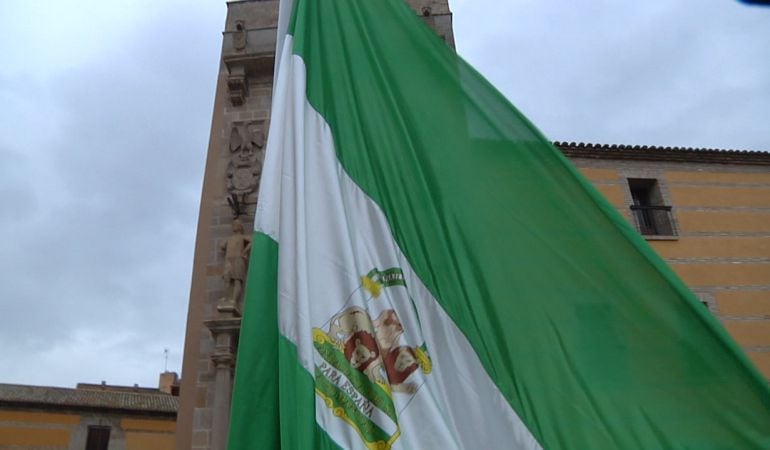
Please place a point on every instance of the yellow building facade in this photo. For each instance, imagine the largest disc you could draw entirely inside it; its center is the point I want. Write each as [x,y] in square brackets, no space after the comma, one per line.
[91,417]
[707,213]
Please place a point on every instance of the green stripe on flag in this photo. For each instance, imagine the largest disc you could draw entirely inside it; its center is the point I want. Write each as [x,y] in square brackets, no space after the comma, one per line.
[255,393]
[299,429]
[592,339]
[268,370]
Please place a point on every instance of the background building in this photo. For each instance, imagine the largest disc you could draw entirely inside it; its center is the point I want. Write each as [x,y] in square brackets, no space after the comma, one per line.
[90,417]
[706,212]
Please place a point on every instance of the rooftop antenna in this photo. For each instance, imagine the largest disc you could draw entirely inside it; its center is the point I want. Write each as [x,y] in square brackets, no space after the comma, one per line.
[165,357]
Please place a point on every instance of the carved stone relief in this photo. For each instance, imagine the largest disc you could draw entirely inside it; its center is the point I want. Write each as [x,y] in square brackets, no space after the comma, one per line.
[237,86]
[239,37]
[247,151]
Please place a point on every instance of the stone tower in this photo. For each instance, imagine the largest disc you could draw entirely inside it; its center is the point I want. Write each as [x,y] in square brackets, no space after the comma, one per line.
[230,191]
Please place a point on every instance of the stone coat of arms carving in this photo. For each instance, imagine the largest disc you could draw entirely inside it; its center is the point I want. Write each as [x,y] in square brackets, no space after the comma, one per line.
[247,150]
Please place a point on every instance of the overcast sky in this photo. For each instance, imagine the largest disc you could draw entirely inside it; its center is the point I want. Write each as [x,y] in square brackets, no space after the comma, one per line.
[105,108]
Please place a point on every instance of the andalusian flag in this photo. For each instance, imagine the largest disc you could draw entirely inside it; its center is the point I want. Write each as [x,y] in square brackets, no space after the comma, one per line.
[429,272]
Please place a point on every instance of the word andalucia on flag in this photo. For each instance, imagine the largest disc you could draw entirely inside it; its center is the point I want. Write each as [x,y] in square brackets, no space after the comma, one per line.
[429,272]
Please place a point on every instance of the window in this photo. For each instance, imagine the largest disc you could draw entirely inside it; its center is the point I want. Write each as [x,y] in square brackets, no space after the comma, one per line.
[98,438]
[652,216]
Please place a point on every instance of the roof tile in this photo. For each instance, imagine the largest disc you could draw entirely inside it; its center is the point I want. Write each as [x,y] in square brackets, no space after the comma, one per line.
[85,398]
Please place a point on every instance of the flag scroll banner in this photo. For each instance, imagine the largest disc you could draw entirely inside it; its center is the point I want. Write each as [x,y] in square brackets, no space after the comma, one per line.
[429,272]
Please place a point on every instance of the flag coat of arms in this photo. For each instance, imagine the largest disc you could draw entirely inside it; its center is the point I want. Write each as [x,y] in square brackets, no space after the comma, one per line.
[429,272]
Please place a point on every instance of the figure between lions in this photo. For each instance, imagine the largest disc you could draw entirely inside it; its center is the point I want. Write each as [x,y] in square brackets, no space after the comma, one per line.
[372,347]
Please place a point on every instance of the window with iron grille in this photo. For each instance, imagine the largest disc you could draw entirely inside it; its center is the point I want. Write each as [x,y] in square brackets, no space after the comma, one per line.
[98,438]
[652,216]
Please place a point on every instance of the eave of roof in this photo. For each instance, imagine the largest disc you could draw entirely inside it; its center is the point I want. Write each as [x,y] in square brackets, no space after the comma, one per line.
[670,154]
[65,398]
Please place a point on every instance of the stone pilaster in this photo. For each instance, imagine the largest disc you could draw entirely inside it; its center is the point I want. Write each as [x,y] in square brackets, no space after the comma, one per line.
[225,334]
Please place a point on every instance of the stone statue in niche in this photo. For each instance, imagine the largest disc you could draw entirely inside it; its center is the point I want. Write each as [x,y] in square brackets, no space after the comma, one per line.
[239,37]
[236,249]
[246,155]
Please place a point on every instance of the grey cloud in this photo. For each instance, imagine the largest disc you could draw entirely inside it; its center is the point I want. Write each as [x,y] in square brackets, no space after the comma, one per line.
[98,276]
[654,72]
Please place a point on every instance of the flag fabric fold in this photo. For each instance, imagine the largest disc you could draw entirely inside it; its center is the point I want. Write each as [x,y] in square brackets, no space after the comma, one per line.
[429,272]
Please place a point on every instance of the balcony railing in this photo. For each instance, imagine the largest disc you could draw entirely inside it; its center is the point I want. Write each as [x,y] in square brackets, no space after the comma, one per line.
[654,220]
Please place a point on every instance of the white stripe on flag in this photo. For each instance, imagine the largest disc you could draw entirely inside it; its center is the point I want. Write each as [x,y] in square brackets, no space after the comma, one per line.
[330,234]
